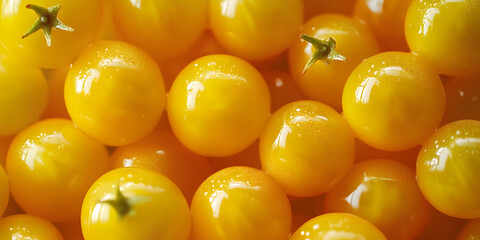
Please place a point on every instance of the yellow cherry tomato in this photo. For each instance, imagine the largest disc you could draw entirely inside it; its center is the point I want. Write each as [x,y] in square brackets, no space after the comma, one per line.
[337,226]
[24,94]
[163,153]
[255,30]
[385,193]
[471,231]
[79,26]
[51,165]
[133,203]
[56,101]
[240,203]
[463,98]
[24,226]
[4,190]
[282,88]
[446,33]
[447,169]
[393,101]
[386,18]
[218,105]
[115,93]
[296,148]
[314,8]
[163,28]
[323,82]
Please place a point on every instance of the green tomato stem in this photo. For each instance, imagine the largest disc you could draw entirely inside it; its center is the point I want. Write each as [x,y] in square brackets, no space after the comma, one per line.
[324,50]
[119,203]
[47,19]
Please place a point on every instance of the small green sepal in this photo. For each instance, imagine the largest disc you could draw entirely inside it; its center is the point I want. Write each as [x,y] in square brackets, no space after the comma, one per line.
[47,19]
[324,50]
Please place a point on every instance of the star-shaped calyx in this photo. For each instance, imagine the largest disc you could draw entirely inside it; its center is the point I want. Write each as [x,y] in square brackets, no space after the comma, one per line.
[47,19]
[324,50]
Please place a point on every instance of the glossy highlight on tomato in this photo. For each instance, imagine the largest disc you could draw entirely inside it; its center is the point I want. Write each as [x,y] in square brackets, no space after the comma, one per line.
[296,148]
[240,203]
[134,203]
[445,33]
[376,187]
[25,226]
[447,168]
[337,226]
[324,82]
[393,101]
[218,105]
[54,163]
[115,93]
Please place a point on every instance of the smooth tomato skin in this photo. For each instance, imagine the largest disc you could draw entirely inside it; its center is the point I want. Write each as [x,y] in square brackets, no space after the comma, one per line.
[115,93]
[255,30]
[386,19]
[4,190]
[322,82]
[314,8]
[163,28]
[447,168]
[375,187]
[24,94]
[393,101]
[56,100]
[218,105]
[15,19]
[240,203]
[337,226]
[58,160]
[158,209]
[450,46]
[463,98]
[296,148]
[25,226]
[283,89]
[161,152]
[471,231]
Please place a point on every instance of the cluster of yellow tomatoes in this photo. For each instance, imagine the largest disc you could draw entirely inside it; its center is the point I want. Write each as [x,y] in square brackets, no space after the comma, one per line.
[284,119]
